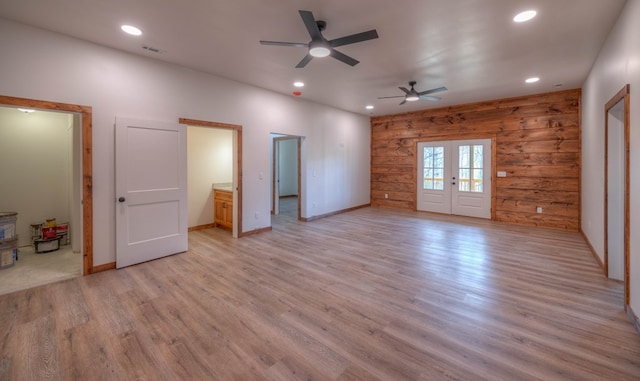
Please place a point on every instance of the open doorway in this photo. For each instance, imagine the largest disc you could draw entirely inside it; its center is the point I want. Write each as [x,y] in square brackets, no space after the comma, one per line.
[210,177]
[221,145]
[286,176]
[42,188]
[617,185]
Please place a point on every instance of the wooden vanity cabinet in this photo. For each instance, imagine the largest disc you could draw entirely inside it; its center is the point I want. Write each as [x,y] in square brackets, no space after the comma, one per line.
[223,208]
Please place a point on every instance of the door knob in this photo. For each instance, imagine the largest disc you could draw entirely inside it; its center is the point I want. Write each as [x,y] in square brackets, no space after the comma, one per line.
[121,199]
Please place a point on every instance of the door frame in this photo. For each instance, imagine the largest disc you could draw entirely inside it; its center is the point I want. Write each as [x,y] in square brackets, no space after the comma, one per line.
[237,231]
[494,181]
[623,94]
[275,171]
[87,170]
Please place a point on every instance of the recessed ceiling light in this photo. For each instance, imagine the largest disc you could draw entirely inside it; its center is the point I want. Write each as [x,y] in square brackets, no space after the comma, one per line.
[298,84]
[369,107]
[132,30]
[26,110]
[525,16]
[532,80]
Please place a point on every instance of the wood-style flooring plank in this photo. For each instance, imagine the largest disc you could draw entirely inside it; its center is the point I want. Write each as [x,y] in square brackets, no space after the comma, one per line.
[372,294]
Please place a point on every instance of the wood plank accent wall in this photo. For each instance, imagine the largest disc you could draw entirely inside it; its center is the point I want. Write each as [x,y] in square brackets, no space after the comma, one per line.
[537,140]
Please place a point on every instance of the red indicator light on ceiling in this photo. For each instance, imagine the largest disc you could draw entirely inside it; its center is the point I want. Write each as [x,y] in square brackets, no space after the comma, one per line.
[297,93]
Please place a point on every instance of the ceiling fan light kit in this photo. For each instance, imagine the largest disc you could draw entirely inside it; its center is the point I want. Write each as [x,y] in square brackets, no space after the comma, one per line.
[319,46]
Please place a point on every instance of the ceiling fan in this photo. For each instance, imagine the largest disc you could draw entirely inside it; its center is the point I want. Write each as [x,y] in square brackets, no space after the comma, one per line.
[413,95]
[320,46]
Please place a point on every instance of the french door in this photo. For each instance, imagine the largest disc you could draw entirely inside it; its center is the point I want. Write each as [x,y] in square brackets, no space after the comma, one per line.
[454,177]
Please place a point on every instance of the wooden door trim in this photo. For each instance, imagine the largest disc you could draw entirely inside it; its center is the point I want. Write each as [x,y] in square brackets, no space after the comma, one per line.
[87,168]
[623,94]
[227,126]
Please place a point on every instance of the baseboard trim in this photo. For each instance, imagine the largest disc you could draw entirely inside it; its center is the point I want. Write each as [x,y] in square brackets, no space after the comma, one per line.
[201,227]
[593,252]
[313,218]
[634,318]
[105,267]
[252,232]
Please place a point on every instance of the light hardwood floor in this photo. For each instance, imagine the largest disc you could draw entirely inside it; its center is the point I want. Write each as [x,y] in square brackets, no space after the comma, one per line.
[371,294]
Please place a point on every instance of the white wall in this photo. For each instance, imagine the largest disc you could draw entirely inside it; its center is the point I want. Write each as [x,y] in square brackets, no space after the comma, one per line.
[288,168]
[618,64]
[114,83]
[210,158]
[35,174]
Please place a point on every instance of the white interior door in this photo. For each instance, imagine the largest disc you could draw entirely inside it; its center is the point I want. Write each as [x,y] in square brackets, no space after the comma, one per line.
[455,177]
[151,190]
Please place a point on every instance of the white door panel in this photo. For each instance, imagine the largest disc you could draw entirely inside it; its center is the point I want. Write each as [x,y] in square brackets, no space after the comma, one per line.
[151,190]
[454,177]
[471,165]
[434,192]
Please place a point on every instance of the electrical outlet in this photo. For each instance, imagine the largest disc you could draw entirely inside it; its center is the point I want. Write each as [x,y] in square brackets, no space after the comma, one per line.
[538,209]
[386,195]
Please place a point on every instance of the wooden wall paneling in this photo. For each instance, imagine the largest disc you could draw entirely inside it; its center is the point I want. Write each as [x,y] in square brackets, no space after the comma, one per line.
[536,141]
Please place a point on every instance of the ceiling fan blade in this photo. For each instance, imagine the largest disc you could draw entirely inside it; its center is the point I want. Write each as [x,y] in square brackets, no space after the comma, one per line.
[396,96]
[403,102]
[404,89]
[280,43]
[352,39]
[312,26]
[429,98]
[432,91]
[344,58]
[304,61]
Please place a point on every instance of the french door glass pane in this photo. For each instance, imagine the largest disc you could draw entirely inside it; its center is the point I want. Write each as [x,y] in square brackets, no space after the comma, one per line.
[433,165]
[470,173]
[477,157]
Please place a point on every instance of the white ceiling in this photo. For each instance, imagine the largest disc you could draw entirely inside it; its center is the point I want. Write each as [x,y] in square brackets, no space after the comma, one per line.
[470,46]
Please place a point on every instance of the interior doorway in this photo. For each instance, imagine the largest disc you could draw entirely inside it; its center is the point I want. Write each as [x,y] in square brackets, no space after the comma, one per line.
[84,174]
[286,175]
[454,177]
[235,187]
[617,185]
